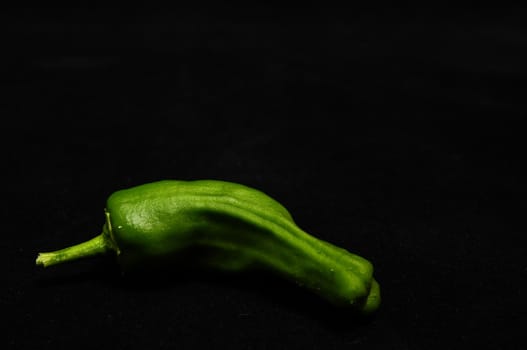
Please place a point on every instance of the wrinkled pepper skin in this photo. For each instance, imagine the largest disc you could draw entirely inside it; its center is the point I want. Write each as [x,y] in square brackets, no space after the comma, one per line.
[235,228]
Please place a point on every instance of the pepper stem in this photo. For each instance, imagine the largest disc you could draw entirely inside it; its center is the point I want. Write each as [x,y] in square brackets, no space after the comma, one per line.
[95,246]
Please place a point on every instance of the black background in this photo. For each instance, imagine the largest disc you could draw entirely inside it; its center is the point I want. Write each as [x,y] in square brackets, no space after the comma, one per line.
[392,133]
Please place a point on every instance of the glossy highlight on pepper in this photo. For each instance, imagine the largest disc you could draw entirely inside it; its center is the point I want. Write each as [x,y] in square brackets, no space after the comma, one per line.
[234,228]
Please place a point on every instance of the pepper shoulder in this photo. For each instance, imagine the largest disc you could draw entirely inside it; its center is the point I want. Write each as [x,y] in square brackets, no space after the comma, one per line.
[227,191]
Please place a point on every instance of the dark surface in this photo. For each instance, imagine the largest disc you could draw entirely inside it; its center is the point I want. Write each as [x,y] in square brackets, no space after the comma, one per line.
[395,135]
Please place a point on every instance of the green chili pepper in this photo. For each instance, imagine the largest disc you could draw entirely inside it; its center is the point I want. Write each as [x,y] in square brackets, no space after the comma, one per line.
[235,227]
